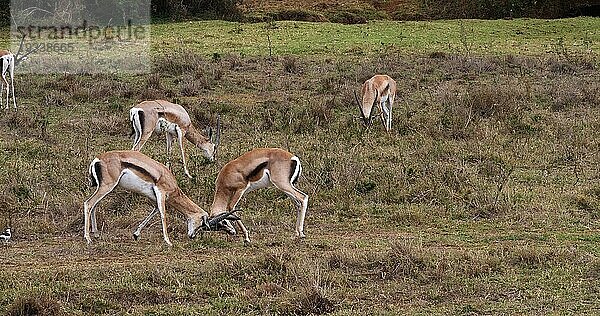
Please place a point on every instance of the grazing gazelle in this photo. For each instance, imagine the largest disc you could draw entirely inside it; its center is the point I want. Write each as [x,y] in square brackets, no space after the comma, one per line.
[174,121]
[253,170]
[380,90]
[139,173]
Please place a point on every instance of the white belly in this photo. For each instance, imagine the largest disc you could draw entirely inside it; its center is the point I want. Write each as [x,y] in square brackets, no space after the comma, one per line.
[263,182]
[131,182]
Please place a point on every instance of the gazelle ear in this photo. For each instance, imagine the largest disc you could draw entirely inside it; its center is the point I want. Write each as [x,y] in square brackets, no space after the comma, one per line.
[218,135]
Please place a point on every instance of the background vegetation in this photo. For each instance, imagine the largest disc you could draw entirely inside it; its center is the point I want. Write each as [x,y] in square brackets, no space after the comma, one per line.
[353,11]
[484,199]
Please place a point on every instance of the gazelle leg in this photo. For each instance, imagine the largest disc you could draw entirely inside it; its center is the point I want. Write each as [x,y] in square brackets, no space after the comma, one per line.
[169,148]
[94,224]
[143,139]
[12,84]
[392,98]
[300,199]
[7,90]
[388,111]
[182,150]
[384,114]
[88,210]
[4,82]
[160,201]
[232,205]
[243,229]
[137,134]
[138,231]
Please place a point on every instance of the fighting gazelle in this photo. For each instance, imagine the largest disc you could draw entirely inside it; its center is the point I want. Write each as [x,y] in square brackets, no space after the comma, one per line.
[139,173]
[174,121]
[253,170]
[9,61]
[379,90]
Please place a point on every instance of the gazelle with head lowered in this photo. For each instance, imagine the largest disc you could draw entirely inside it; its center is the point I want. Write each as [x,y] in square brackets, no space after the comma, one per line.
[253,170]
[378,91]
[174,121]
[139,173]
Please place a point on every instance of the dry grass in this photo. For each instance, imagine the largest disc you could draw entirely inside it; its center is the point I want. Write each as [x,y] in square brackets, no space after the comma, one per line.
[482,200]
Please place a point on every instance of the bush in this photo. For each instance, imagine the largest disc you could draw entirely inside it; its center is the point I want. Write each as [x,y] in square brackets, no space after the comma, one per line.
[34,306]
[207,9]
[346,17]
[298,15]
[494,9]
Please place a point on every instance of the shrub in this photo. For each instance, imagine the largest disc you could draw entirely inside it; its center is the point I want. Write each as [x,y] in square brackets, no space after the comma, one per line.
[210,9]
[290,64]
[346,17]
[39,306]
[298,15]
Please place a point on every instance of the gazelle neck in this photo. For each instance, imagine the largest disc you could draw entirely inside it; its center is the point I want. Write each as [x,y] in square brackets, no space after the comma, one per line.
[219,204]
[195,137]
[185,205]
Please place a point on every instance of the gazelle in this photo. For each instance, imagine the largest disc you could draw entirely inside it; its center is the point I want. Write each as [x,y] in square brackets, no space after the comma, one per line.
[380,90]
[9,61]
[8,65]
[174,121]
[253,170]
[139,173]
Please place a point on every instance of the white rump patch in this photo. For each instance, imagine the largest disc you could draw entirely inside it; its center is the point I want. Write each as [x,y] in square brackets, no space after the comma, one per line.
[298,170]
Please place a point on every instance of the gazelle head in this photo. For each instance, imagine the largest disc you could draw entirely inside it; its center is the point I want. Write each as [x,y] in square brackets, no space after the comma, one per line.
[211,146]
[366,117]
[197,224]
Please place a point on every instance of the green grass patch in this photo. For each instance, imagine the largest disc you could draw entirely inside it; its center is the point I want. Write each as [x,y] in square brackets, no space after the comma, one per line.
[498,37]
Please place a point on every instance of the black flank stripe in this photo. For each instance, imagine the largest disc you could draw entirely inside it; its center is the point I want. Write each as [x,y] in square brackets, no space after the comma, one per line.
[137,168]
[141,115]
[98,169]
[294,163]
[257,170]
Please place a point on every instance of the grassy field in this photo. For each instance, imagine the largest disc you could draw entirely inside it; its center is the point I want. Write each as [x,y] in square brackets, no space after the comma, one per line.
[484,199]
[495,37]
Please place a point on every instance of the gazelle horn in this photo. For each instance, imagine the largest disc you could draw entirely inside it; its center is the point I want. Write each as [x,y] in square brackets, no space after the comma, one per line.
[362,115]
[217,140]
[212,222]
